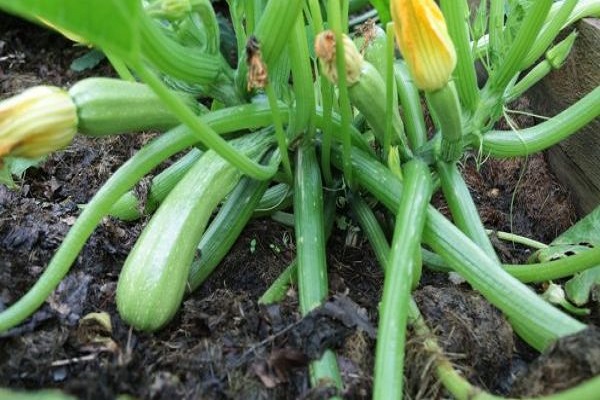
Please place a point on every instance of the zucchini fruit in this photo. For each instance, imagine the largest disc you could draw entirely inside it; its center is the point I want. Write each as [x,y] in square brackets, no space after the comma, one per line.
[153,279]
[107,106]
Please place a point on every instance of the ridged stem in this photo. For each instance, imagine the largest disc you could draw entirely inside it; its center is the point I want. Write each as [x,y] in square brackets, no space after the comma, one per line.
[411,106]
[456,13]
[310,250]
[463,209]
[410,219]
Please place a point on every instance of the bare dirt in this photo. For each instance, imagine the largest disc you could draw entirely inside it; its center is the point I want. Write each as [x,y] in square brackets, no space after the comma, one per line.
[222,344]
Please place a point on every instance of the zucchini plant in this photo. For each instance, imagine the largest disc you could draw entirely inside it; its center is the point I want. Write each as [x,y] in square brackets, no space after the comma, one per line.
[304,108]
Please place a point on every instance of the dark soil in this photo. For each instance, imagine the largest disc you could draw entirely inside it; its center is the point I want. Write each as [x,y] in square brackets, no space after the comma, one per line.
[222,344]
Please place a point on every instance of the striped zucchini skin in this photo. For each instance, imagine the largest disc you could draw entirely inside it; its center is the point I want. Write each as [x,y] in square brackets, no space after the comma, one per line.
[107,106]
[153,279]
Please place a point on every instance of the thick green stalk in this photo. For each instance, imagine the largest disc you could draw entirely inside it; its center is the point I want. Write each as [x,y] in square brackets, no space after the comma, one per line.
[304,92]
[410,219]
[456,13]
[310,251]
[125,178]
[276,292]
[411,106]
[540,137]
[369,224]
[335,22]
[203,132]
[510,64]
[447,113]
[463,209]
[516,300]
[279,133]
[391,97]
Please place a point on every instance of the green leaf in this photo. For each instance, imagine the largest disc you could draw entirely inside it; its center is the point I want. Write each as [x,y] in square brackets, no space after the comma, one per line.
[87,61]
[580,237]
[108,24]
[579,287]
[12,166]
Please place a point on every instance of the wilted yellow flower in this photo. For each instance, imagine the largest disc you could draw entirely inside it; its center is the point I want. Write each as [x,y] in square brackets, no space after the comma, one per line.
[325,50]
[423,39]
[36,122]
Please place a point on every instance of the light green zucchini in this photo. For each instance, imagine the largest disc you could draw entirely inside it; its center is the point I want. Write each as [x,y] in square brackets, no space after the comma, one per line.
[107,106]
[152,282]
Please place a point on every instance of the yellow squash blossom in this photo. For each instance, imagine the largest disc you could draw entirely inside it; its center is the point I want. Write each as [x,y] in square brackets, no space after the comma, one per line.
[423,39]
[36,122]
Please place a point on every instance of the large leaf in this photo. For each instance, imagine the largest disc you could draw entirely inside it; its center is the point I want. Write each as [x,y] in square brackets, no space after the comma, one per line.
[580,237]
[109,24]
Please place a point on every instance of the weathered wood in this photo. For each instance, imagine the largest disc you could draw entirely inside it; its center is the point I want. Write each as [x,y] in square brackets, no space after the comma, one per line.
[575,161]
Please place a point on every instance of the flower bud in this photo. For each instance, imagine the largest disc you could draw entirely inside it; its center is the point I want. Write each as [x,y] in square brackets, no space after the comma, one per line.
[325,49]
[423,39]
[36,122]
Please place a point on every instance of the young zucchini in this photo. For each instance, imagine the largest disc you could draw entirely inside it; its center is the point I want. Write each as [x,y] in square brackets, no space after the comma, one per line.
[107,106]
[152,282]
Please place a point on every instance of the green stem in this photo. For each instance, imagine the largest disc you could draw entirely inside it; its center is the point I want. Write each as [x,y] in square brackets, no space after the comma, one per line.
[276,292]
[463,209]
[289,276]
[410,219]
[540,137]
[335,21]
[202,131]
[411,106]
[310,249]
[445,107]
[457,18]
[279,133]
[304,92]
[120,67]
[369,224]
[560,268]
[511,237]
[390,95]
